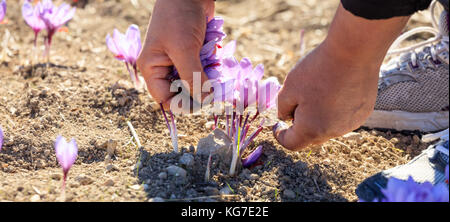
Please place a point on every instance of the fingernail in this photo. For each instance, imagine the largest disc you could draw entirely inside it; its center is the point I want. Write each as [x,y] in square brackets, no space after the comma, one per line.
[279,126]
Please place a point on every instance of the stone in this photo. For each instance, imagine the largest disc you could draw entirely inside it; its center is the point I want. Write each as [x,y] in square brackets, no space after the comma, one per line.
[187,159]
[289,194]
[156,199]
[253,176]
[176,171]
[162,175]
[353,136]
[84,180]
[111,146]
[213,142]
[109,183]
[55,176]
[225,191]
[211,191]
[111,167]
[35,198]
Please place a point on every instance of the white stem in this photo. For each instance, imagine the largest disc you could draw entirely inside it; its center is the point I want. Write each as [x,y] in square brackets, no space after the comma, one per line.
[133,132]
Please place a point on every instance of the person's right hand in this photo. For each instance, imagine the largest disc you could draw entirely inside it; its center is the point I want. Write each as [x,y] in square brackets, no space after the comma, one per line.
[175,36]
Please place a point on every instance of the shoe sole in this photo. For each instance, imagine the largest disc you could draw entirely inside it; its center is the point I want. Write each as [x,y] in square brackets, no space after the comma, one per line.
[400,120]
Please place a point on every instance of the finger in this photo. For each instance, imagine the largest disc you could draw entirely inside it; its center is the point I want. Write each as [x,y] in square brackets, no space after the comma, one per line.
[191,71]
[293,137]
[286,104]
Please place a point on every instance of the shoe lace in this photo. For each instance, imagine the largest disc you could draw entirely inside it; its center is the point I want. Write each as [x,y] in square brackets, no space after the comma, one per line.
[439,41]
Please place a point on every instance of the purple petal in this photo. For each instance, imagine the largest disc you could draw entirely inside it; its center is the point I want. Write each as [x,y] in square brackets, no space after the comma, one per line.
[133,38]
[253,157]
[2,12]
[228,50]
[66,153]
[1,138]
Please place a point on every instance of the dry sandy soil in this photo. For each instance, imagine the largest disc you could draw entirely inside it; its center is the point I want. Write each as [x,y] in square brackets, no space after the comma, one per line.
[85,94]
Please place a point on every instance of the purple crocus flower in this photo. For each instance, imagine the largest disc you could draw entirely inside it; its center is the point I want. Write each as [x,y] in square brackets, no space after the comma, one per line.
[1,138]
[209,57]
[54,17]
[253,157]
[31,16]
[66,154]
[126,48]
[2,10]
[410,191]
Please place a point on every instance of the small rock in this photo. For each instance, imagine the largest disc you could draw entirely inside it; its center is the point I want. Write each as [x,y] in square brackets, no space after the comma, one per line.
[176,171]
[187,159]
[191,149]
[35,198]
[55,176]
[173,196]
[326,162]
[47,153]
[214,141]
[226,191]
[111,167]
[253,176]
[211,191]
[162,175]
[109,183]
[156,199]
[289,194]
[136,187]
[353,136]
[84,180]
[146,187]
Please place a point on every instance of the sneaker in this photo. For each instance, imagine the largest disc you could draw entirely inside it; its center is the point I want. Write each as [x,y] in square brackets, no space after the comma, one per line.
[429,166]
[413,91]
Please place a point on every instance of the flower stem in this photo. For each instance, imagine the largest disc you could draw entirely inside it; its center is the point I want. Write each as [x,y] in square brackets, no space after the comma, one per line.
[173,133]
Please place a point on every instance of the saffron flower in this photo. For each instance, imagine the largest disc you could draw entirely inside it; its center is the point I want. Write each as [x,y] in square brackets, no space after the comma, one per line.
[2,10]
[209,57]
[1,138]
[253,157]
[32,18]
[54,17]
[66,154]
[410,191]
[126,48]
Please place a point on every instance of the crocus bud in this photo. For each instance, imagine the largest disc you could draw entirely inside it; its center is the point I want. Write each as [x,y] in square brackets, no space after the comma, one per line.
[66,153]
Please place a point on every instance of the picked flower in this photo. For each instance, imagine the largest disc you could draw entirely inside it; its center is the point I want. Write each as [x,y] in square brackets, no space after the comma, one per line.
[411,191]
[1,138]
[66,154]
[126,48]
[54,17]
[2,10]
[32,18]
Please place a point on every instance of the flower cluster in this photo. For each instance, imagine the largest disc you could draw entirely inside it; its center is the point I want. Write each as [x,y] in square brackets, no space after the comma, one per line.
[126,48]
[46,15]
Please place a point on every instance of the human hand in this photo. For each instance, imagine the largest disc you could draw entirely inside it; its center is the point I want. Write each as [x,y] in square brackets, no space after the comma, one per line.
[175,35]
[333,89]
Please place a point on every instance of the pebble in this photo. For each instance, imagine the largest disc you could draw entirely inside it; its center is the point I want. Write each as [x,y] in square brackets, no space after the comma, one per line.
[146,187]
[47,153]
[162,175]
[111,167]
[289,194]
[326,162]
[253,176]
[353,136]
[136,187]
[226,191]
[55,176]
[109,183]
[35,198]
[156,199]
[212,191]
[176,171]
[187,159]
[84,180]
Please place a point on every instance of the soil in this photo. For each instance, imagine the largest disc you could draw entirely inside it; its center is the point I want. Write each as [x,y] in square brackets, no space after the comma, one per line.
[85,94]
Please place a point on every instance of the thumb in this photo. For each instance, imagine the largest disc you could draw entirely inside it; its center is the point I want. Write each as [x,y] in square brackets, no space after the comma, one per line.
[293,137]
